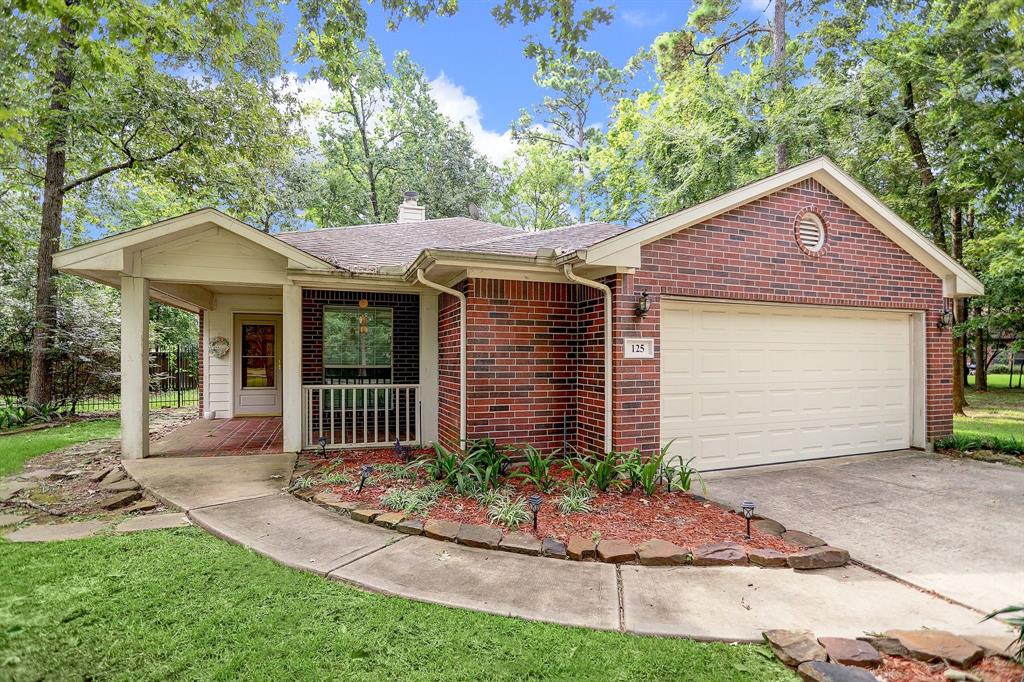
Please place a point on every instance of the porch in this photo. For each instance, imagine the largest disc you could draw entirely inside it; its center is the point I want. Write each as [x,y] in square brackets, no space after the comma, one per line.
[222,437]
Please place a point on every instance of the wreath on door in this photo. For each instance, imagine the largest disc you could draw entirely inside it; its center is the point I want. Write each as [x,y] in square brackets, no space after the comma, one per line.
[219,346]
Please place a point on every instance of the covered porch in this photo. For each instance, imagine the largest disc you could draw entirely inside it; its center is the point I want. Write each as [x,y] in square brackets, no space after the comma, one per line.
[222,437]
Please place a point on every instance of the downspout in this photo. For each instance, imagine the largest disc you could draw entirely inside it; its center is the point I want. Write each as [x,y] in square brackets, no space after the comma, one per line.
[462,346]
[607,348]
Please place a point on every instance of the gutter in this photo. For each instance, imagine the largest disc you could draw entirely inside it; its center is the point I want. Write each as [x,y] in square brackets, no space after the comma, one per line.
[462,346]
[572,276]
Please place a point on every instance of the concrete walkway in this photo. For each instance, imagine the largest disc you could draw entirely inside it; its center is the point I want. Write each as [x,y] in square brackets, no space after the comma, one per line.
[241,499]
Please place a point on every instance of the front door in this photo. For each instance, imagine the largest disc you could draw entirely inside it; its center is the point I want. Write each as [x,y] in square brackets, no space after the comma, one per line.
[257,364]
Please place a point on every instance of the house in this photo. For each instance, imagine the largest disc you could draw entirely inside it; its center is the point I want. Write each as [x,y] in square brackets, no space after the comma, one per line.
[793,318]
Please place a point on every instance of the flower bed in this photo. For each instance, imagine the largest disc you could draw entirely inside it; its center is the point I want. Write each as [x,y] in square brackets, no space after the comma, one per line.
[621,513]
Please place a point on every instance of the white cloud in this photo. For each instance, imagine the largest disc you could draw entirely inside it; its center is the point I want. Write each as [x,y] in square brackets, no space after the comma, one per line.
[453,102]
[314,95]
[641,18]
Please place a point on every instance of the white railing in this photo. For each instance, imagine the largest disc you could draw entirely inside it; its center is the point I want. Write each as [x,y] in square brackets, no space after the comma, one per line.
[360,415]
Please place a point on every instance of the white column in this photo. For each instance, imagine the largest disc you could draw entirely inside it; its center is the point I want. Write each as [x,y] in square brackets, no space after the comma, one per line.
[428,367]
[291,374]
[134,367]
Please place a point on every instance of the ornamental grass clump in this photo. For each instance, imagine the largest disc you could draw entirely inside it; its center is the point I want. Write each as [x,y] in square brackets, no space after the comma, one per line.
[510,513]
[575,500]
[412,500]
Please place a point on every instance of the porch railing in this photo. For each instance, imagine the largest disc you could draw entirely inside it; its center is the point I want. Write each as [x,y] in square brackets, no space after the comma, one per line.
[360,415]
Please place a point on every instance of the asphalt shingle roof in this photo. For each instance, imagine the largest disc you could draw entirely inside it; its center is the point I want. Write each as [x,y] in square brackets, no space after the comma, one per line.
[368,248]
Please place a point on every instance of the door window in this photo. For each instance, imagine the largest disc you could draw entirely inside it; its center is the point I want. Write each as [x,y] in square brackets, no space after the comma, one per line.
[258,351]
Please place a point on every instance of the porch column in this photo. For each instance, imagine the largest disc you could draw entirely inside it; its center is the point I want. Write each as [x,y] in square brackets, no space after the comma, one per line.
[291,366]
[428,367]
[134,367]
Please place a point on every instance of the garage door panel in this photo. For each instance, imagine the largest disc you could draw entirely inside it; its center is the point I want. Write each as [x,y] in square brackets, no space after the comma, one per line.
[753,384]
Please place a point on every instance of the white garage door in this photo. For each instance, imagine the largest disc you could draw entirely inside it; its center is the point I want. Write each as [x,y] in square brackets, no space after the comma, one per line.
[759,384]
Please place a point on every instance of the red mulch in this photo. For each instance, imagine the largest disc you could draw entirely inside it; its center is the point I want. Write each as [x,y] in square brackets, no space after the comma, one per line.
[676,517]
[992,669]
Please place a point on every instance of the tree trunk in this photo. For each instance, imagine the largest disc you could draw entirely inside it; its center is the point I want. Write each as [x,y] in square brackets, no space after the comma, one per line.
[779,65]
[40,387]
[959,309]
[980,362]
[924,169]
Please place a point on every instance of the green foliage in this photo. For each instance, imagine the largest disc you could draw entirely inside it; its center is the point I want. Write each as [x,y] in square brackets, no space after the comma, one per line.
[304,482]
[17,448]
[539,469]
[575,500]
[416,501]
[336,478]
[598,471]
[960,443]
[1016,620]
[534,188]
[443,465]
[998,369]
[17,412]
[683,474]
[509,512]
[644,471]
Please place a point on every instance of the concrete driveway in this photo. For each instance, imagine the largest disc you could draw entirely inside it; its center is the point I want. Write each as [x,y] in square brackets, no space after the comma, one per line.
[948,525]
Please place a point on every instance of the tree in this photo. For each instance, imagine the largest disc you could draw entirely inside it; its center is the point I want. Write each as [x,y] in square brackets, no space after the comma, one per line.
[386,136]
[563,119]
[104,87]
[535,188]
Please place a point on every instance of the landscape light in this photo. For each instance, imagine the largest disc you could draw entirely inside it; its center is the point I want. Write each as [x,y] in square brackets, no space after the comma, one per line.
[323,445]
[748,513]
[365,473]
[535,501]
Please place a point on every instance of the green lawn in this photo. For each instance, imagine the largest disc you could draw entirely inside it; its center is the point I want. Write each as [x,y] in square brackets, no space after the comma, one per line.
[183,605]
[995,413]
[17,448]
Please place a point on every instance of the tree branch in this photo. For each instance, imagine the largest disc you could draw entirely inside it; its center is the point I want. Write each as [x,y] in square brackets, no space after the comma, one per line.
[127,163]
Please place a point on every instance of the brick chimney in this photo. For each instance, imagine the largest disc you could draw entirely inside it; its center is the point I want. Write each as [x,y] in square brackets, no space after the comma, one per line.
[410,211]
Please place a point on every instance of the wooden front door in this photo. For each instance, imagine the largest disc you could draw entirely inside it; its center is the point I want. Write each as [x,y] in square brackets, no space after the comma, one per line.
[257,364]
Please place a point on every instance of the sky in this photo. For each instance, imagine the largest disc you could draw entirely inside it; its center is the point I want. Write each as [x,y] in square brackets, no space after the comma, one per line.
[477,70]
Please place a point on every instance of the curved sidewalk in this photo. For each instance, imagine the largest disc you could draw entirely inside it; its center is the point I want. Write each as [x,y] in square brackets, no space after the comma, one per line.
[242,500]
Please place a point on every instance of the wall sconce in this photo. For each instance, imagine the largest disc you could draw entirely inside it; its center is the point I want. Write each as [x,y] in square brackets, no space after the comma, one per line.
[946,318]
[643,305]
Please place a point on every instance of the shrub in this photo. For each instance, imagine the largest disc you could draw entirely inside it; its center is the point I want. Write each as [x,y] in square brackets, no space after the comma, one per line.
[509,512]
[998,368]
[576,499]
[538,469]
[1010,446]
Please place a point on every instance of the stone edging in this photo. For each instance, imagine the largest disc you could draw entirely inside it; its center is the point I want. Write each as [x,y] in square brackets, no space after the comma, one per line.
[815,554]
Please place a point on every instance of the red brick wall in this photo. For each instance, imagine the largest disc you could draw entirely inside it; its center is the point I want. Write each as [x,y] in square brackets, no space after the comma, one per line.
[448,368]
[750,253]
[589,370]
[405,368]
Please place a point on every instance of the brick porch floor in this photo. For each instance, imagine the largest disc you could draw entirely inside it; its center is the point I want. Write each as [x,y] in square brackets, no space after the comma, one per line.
[219,437]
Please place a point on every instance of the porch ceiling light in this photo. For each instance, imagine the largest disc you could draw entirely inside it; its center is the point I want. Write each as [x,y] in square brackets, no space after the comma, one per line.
[535,501]
[643,305]
[365,473]
[748,513]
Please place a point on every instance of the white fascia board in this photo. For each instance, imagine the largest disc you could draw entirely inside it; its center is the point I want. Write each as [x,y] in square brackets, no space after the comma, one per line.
[144,237]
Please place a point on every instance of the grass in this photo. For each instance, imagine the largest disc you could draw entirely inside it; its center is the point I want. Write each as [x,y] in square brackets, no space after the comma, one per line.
[182,605]
[996,414]
[17,448]
[157,401]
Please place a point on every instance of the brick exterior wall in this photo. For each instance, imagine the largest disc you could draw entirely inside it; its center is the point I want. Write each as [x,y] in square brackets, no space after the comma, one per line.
[535,352]
[405,368]
[751,254]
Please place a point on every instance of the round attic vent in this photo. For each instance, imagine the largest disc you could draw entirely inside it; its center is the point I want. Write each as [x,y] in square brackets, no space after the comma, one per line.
[810,232]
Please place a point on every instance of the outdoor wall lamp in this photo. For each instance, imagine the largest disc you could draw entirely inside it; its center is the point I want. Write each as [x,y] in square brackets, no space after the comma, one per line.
[643,305]
[748,513]
[323,445]
[365,473]
[535,507]
[946,318]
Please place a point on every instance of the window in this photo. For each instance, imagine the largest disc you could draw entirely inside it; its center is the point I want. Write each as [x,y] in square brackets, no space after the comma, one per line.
[258,356]
[357,345]
[811,233]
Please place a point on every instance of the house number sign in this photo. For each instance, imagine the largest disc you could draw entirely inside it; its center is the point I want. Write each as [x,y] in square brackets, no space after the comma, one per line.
[639,348]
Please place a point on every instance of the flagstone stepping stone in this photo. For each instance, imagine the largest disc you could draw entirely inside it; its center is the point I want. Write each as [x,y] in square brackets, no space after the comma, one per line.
[850,652]
[794,647]
[410,527]
[11,519]
[485,537]
[931,645]
[581,548]
[819,557]
[152,522]
[520,543]
[389,519]
[554,548]
[365,515]
[141,506]
[796,537]
[890,646]
[819,671]
[39,475]
[328,498]
[120,486]
[57,531]
[720,554]
[441,530]
[768,527]
[100,474]
[116,474]
[767,558]
[661,553]
[993,645]
[10,489]
[120,500]
[615,551]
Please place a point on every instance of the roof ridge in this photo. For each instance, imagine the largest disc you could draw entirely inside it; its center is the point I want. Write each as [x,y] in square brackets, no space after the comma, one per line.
[316,230]
[524,233]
